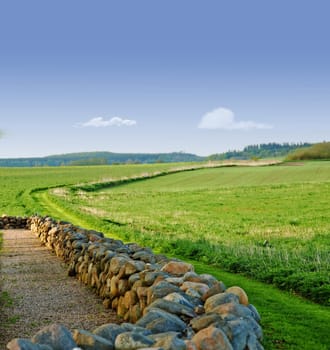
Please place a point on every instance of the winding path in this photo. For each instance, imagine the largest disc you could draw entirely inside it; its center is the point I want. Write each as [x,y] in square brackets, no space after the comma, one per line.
[37,291]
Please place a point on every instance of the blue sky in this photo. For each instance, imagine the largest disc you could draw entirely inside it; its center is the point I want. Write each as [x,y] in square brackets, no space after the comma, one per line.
[160,76]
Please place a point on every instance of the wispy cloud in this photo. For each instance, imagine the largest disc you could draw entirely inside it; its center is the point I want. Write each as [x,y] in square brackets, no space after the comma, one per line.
[224,118]
[100,122]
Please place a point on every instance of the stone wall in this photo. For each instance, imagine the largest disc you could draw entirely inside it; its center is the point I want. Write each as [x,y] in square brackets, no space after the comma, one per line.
[12,222]
[164,304]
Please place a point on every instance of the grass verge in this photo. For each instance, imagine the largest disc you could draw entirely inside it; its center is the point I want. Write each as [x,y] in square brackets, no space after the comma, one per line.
[289,322]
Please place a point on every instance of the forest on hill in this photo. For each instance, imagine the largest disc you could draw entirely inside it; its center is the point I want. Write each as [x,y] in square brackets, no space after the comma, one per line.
[269,150]
[100,158]
[264,150]
[316,151]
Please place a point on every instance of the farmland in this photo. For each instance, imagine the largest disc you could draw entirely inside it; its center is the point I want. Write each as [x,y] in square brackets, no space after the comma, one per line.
[18,183]
[268,223]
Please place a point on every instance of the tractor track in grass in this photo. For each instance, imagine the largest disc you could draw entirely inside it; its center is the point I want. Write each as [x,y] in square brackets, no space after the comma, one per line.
[289,322]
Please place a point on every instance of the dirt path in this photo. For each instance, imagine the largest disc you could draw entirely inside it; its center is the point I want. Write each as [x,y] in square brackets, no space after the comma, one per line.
[37,291]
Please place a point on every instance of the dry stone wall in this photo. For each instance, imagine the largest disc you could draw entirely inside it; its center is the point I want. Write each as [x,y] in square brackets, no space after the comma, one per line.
[164,304]
[14,222]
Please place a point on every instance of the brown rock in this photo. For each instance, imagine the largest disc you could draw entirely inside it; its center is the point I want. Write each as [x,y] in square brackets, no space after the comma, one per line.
[243,298]
[132,340]
[160,290]
[200,288]
[135,313]
[133,266]
[177,268]
[121,308]
[168,341]
[211,338]
[204,321]
[107,303]
[25,344]
[219,299]
[116,264]
[90,341]
[217,288]
[130,299]
[190,345]
[122,286]
[114,287]
[232,310]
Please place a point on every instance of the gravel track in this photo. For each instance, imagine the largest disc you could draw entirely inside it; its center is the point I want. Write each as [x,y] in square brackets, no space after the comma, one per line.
[37,291]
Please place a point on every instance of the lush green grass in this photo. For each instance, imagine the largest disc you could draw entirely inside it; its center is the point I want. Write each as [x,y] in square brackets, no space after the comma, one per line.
[239,218]
[288,322]
[270,223]
[18,183]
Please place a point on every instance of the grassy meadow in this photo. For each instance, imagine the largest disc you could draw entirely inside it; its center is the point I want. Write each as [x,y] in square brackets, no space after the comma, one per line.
[268,223]
[19,184]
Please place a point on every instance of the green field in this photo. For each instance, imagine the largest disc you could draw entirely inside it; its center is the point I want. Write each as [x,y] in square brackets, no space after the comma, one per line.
[17,184]
[268,223]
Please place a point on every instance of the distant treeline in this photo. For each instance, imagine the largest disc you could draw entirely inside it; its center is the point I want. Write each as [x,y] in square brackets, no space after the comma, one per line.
[267,150]
[100,158]
[316,151]
[264,150]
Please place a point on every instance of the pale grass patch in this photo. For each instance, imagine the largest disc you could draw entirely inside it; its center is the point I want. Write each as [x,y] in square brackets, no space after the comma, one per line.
[94,211]
[82,194]
[179,213]
[60,192]
[283,232]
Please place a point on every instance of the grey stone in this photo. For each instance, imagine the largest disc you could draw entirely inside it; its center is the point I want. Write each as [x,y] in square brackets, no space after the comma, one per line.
[204,321]
[172,307]
[252,342]
[255,313]
[168,341]
[144,255]
[180,299]
[109,331]
[159,321]
[133,278]
[149,277]
[217,288]
[56,336]
[239,334]
[25,344]
[116,263]
[129,327]
[254,327]
[132,340]
[160,290]
[231,311]
[132,267]
[90,341]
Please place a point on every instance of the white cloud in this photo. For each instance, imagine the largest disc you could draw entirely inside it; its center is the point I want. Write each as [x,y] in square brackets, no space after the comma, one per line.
[99,122]
[224,118]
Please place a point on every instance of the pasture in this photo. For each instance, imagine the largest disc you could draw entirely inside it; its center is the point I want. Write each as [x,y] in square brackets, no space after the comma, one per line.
[268,223]
[17,184]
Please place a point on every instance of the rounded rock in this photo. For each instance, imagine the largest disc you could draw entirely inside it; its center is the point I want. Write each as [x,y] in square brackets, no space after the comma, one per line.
[243,298]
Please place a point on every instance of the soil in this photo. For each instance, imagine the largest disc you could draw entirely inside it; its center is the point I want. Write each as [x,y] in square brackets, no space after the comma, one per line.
[37,291]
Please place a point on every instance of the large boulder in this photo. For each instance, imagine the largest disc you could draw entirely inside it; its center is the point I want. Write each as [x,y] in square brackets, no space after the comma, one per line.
[56,336]
[211,338]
